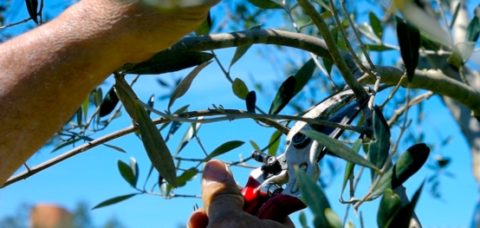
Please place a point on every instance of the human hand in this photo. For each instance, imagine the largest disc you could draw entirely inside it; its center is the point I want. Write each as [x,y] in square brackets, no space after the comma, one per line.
[223,203]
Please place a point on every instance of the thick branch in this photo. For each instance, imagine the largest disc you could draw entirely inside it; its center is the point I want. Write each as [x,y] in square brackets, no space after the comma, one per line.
[434,81]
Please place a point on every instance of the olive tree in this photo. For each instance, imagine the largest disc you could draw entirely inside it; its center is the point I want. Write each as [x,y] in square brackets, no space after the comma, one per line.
[394,56]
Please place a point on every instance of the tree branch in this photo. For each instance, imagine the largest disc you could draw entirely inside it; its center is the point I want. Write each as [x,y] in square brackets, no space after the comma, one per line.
[432,80]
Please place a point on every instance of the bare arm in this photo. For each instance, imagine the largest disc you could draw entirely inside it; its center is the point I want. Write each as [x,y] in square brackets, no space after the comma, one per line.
[46,73]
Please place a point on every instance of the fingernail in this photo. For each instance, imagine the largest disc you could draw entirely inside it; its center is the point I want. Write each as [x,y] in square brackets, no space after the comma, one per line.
[215,171]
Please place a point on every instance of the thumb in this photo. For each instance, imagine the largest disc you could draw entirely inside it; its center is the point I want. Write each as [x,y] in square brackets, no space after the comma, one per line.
[220,194]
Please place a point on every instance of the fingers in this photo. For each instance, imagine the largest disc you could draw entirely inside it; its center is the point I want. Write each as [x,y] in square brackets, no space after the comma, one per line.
[220,193]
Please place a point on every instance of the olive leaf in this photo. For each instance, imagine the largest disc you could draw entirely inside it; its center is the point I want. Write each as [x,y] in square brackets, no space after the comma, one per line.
[379,148]
[407,164]
[225,147]
[168,61]
[114,200]
[409,41]
[184,85]
[251,101]
[154,144]
[266,4]
[32,8]
[339,149]
[108,103]
[376,24]
[239,88]
[128,173]
[314,197]
[239,52]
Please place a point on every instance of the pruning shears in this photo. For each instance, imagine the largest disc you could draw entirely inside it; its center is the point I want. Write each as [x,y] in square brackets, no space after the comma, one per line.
[272,191]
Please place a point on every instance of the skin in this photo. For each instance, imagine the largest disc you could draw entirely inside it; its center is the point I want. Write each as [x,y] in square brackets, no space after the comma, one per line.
[46,74]
[223,203]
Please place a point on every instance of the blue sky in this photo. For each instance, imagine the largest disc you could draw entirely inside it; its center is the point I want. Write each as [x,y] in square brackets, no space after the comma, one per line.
[93,177]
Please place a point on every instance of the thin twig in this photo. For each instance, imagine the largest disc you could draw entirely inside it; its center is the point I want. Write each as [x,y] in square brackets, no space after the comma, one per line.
[335,54]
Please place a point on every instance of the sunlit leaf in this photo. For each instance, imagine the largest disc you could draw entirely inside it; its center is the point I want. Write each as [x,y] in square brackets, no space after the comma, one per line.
[338,148]
[114,200]
[239,52]
[251,101]
[109,102]
[409,41]
[333,219]
[225,147]
[184,85]
[169,61]
[376,24]
[154,144]
[266,4]
[284,94]
[239,88]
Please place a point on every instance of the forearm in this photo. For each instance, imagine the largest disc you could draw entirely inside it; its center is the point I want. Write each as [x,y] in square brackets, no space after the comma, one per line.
[44,76]
[46,73]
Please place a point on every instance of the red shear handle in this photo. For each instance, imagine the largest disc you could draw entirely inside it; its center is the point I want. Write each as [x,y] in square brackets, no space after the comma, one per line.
[260,204]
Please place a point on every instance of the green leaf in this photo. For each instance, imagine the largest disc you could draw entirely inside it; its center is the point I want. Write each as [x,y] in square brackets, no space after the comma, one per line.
[225,147]
[154,144]
[338,148]
[32,7]
[333,219]
[239,52]
[266,4]
[350,165]
[303,75]
[284,94]
[376,24]
[109,102]
[251,101]
[127,173]
[169,61]
[379,148]
[239,88]
[186,176]
[403,217]
[134,167]
[205,27]
[378,47]
[302,218]
[409,41]
[314,197]
[189,134]
[274,143]
[389,206]
[328,65]
[473,29]
[184,85]
[254,145]
[114,200]
[407,164]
